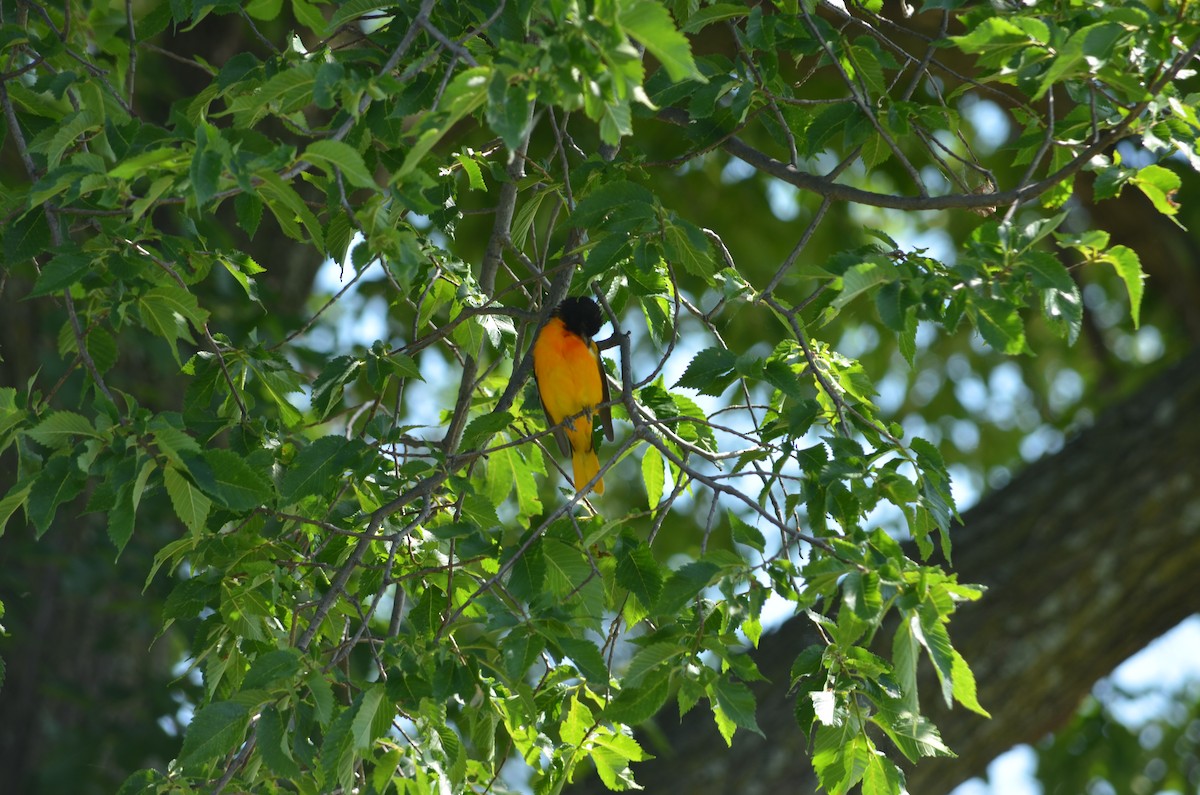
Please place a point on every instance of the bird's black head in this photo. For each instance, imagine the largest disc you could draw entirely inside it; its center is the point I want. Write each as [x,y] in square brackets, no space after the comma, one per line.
[580,315]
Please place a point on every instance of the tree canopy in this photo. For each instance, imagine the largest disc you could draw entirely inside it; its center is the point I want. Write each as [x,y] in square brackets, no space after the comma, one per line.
[272,271]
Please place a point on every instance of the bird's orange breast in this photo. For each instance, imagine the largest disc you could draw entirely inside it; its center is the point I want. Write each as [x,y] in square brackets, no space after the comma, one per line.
[568,371]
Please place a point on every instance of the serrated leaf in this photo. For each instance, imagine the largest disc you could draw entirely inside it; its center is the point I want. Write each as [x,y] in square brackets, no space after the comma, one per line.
[1163,200]
[288,90]
[648,658]
[650,24]
[483,427]
[215,730]
[318,467]
[736,703]
[13,500]
[507,472]
[882,777]
[330,154]
[861,278]
[708,367]
[242,267]
[653,476]
[26,237]
[121,517]
[587,658]
[168,310]
[274,745]
[964,685]
[1129,268]
[608,197]
[638,703]
[473,172]
[464,94]
[271,668]
[60,273]
[59,429]
[287,206]
[566,568]
[508,108]
[190,504]
[717,12]
[639,573]
[232,482]
[683,585]
[58,482]
[999,324]
[747,534]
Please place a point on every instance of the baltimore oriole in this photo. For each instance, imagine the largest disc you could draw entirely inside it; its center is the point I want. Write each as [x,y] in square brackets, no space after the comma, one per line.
[570,380]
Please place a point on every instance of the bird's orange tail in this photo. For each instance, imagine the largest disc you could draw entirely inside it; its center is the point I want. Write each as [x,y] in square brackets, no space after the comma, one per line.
[585,465]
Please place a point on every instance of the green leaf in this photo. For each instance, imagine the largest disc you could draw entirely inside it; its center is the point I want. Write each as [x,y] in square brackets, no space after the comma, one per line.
[508,471]
[999,324]
[649,658]
[840,757]
[991,33]
[1081,54]
[465,93]
[1129,268]
[331,154]
[59,429]
[683,585]
[26,237]
[609,197]
[71,128]
[587,658]
[287,206]
[861,278]
[274,744]
[913,734]
[566,567]
[964,685]
[747,534]
[930,632]
[167,312]
[638,572]
[215,730]
[272,668]
[190,504]
[288,90]
[1160,185]
[685,243]
[484,427]
[638,703]
[650,24]
[653,476]
[121,517]
[737,703]
[318,468]
[717,12]
[709,371]
[61,272]
[472,170]
[242,266]
[508,108]
[882,777]
[207,163]
[59,482]
[232,482]
[12,501]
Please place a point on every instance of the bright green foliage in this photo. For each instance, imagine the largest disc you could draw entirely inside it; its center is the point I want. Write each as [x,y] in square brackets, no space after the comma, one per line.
[380,605]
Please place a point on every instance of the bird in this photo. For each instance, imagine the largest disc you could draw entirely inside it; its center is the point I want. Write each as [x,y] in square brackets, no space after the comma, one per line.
[571,384]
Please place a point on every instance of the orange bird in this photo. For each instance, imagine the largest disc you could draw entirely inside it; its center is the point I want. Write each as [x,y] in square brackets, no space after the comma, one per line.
[571,383]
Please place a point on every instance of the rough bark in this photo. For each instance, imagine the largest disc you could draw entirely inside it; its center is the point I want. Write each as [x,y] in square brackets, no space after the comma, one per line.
[1088,555]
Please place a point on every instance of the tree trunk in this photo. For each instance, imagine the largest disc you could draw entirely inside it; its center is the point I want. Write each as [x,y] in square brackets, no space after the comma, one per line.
[1087,555]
